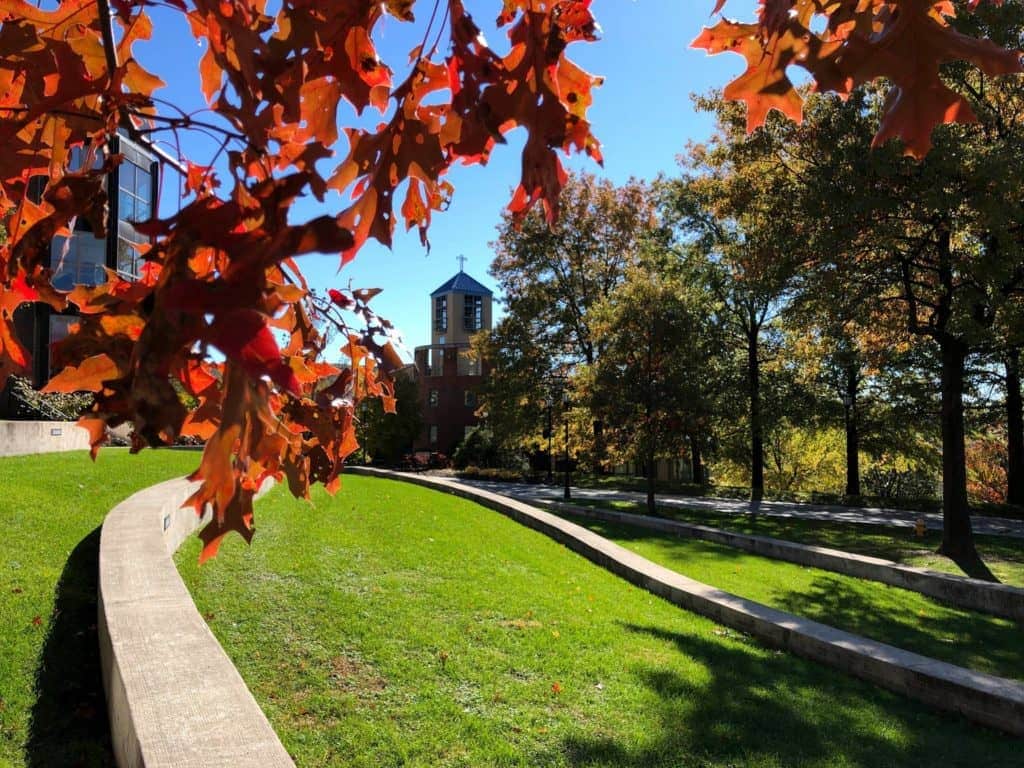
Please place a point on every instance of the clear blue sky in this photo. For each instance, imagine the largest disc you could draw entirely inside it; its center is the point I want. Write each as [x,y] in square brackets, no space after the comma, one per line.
[642,115]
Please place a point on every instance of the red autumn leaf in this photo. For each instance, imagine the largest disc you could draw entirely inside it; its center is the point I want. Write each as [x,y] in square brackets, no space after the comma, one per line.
[97,429]
[340,298]
[244,336]
[199,179]
[13,357]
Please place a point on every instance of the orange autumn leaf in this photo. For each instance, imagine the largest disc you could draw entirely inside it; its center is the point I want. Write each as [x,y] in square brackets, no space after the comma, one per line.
[89,376]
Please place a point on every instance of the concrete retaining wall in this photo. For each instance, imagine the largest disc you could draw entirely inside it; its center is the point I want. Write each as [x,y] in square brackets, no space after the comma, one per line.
[977,595]
[20,438]
[174,697]
[992,701]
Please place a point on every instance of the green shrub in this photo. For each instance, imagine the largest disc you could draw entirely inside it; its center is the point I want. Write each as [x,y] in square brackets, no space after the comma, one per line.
[478,449]
[491,473]
[25,402]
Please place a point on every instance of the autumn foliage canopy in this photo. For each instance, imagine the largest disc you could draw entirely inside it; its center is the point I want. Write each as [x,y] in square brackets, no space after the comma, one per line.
[222,317]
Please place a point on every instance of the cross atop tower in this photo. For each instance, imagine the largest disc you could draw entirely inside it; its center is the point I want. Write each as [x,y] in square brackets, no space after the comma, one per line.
[462,262]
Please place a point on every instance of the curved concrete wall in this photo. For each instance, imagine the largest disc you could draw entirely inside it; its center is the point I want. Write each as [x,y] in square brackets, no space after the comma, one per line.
[20,438]
[174,697]
[992,701]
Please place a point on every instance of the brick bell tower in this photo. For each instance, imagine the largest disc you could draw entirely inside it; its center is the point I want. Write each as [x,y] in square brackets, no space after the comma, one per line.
[448,378]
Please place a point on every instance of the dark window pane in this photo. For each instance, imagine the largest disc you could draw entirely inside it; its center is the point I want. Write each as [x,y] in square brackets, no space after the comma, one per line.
[78,262]
[60,328]
[92,257]
[128,263]
[36,187]
[143,184]
[61,262]
[126,206]
[76,159]
[126,177]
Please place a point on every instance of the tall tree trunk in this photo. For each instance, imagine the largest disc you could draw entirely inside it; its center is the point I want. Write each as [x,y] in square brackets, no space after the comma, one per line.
[652,474]
[957,537]
[696,460]
[756,427]
[598,464]
[651,442]
[1014,430]
[852,435]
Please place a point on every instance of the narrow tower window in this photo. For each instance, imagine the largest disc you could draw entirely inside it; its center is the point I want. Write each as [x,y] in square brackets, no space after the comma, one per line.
[441,314]
[473,313]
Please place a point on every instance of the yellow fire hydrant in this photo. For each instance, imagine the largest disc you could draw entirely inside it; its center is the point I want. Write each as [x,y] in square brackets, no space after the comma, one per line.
[919,527]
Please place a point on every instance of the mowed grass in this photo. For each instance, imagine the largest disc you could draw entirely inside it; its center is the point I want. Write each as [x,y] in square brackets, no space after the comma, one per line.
[52,710]
[1003,554]
[895,616]
[398,626]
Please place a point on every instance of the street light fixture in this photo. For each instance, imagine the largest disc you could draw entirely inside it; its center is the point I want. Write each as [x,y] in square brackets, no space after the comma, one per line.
[565,420]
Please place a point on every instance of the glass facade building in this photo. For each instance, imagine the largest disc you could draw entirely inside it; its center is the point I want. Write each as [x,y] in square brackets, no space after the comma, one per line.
[83,258]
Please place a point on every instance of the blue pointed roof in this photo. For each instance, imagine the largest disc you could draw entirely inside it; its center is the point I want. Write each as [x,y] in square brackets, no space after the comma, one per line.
[462,283]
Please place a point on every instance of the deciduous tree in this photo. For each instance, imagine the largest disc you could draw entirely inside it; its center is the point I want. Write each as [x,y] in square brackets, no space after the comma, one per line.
[735,201]
[935,238]
[552,277]
[387,437]
[646,385]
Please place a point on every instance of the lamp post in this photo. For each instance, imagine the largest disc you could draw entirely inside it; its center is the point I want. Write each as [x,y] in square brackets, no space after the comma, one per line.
[565,421]
[549,404]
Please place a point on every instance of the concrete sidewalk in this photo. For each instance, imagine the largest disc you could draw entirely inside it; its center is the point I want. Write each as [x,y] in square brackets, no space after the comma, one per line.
[892,518]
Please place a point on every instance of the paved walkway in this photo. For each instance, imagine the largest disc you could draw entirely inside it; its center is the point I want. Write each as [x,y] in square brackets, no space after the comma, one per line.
[893,518]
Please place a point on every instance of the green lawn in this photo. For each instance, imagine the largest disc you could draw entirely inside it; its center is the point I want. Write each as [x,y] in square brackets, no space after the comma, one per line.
[52,711]
[394,625]
[1004,555]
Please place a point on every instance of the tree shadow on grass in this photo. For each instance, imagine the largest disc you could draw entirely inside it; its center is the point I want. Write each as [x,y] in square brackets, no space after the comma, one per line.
[777,710]
[960,637]
[69,725]
[625,534]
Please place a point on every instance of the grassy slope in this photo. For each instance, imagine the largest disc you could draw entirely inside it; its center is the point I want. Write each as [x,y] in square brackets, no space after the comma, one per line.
[52,711]
[896,616]
[399,626]
[1004,555]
